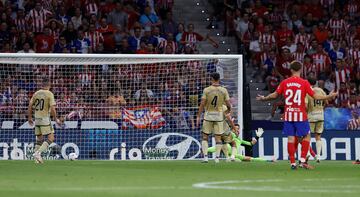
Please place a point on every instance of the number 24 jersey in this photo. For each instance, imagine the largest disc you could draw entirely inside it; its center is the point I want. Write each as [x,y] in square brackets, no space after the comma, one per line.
[294,91]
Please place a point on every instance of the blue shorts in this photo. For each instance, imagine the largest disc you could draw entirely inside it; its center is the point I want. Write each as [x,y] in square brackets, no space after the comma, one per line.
[296,128]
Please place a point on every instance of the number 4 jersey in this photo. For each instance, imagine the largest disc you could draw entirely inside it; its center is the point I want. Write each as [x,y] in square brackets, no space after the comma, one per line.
[42,100]
[215,99]
[315,108]
[294,91]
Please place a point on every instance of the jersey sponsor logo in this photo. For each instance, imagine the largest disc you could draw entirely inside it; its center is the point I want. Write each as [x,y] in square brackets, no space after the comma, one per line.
[160,146]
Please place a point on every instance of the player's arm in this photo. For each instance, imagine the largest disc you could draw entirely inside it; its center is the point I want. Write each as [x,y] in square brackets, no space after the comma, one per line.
[30,111]
[229,120]
[269,97]
[201,109]
[53,109]
[330,96]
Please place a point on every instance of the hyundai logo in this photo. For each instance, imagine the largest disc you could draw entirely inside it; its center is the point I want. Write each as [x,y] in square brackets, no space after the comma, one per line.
[163,146]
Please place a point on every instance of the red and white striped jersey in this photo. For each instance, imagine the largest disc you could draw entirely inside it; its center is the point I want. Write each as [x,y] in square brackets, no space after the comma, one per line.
[299,56]
[354,55]
[342,75]
[337,27]
[352,9]
[322,61]
[86,78]
[20,24]
[267,38]
[303,39]
[294,90]
[92,8]
[327,3]
[191,38]
[353,124]
[37,19]
[165,4]
[307,69]
[275,18]
[343,96]
[163,44]
[55,33]
[95,39]
[263,57]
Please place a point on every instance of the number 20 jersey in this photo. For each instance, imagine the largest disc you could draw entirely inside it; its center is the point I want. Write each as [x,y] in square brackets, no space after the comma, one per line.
[294,91]
[42,100]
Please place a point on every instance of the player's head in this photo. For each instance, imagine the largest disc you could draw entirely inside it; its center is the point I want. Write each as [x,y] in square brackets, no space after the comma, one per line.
[45,83]
[215,77]
[312,81]
[237,127]
[295,67]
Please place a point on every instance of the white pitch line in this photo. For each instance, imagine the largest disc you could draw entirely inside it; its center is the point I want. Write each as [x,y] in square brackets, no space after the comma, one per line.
[95,189]
[304,189]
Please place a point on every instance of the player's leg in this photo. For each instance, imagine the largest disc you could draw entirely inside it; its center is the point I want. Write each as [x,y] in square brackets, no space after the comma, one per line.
[39,138]
[226,139]
[303,130]
[233,150]
[207,127]
[47,131]
[318,132]
[289,131]
[218,131]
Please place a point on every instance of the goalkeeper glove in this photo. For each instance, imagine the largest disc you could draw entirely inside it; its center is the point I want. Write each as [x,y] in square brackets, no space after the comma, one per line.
[259,132]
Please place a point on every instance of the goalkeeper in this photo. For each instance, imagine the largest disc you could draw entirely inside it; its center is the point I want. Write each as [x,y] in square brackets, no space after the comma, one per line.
[232,142]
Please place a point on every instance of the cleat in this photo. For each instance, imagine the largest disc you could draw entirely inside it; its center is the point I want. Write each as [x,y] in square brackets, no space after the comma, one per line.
[307,158]
[232,158]
[37,157]
[205,160]
[293,167]
[317,160]
[216,160]
[306,166]
[357,161]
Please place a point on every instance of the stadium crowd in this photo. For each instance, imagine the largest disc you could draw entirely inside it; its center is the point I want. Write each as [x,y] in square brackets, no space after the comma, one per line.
[322,34]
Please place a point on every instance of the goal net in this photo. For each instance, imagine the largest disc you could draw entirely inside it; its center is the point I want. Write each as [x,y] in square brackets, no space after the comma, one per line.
[114,106]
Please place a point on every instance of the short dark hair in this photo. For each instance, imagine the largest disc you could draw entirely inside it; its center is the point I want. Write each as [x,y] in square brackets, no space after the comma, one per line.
[312,81]
[295,66]
[45,81]
[215,76]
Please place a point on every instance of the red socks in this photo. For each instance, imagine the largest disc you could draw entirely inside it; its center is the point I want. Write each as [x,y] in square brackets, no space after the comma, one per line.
[291,152]
[312,152]
[296,143]
[305,145]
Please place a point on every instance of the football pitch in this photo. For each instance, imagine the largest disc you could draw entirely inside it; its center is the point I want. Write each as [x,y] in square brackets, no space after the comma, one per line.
[176,179]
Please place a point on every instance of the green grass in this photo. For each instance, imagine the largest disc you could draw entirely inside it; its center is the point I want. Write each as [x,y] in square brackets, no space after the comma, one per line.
[175,179]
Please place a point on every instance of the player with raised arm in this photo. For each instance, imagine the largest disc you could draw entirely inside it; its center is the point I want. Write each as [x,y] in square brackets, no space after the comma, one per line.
[43,103]
[212,100]
[315,112]
[294,90]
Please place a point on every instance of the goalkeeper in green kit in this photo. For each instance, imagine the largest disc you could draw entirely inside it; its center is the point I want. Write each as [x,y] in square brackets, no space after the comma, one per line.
[232,142]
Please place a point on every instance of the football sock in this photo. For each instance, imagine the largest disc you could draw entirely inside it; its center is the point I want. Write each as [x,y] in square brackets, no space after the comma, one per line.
[318,147]
[44,146]
[218,147]
[305,145]
[37,145]
[258,159]
[312,152]
[233,151]
[291,152]
[225,150]
[204,146]
[296,143]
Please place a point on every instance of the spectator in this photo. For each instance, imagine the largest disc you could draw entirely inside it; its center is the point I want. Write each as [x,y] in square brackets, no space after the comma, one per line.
[192,38]
[82,44]
[77,19]
[118,16]
[37,18]
[321,34]
[125,48]
[63,17]
[149,19]
[134,41]
[283,34]
[20,21]
[168,46]
[94,36]
[91,8]
[169,25]
[107,32]
[143,93]
[44,42]
[26,48]
[336,52]
[70,32]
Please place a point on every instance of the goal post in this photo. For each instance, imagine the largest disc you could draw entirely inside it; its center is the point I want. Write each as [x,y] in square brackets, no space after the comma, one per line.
[114,106]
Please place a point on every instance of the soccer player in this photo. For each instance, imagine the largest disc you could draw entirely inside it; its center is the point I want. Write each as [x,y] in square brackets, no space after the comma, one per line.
[43,103]
[315,112]
[212,100]
[233,142]
[294,90]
